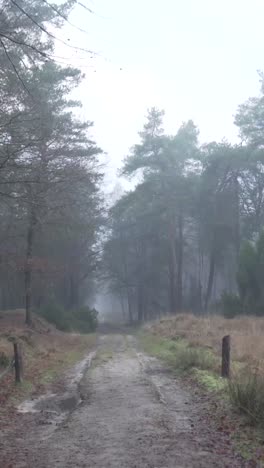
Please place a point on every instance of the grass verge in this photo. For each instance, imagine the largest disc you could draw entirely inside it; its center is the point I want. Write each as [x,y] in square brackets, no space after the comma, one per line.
[246,391]
[237,405]
[46,356]
[179,354]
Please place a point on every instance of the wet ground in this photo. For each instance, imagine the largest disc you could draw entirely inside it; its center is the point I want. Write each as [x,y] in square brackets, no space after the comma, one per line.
[132,413]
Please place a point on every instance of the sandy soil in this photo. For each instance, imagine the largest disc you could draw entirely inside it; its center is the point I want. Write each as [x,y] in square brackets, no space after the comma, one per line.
[133,414]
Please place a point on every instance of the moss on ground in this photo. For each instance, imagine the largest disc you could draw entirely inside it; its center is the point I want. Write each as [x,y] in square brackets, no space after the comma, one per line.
[210,381]
[178,354]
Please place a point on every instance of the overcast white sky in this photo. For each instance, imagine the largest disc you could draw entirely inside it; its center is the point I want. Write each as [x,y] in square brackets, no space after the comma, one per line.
[196,59]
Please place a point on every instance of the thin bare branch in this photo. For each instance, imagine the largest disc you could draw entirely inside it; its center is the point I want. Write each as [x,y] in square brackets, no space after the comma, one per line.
[14,67]
[48,32]
[64,17]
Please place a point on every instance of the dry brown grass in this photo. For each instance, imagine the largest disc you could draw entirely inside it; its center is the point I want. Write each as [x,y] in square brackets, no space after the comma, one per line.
[247,334]
[46,351]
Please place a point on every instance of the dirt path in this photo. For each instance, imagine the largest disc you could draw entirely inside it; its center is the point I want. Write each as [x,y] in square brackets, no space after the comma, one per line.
[132,415]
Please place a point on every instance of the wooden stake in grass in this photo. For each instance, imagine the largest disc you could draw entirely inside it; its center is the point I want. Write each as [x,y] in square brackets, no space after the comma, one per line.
[18,364]
[226,356]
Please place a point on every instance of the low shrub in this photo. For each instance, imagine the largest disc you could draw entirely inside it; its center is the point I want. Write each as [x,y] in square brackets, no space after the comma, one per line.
[56,314]
[188,357]
[246,391]
[178,354]
[85,319]
[4,360]
[82,319]
[230,305]
[211,381]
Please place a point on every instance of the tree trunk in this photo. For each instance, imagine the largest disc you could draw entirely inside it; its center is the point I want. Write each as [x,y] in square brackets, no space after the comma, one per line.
[180,263]
[28,266]
[74,292]
[172,289]
[140,304]
[237,216]
[172,270]
[210,280]
[129,304]
[123,309]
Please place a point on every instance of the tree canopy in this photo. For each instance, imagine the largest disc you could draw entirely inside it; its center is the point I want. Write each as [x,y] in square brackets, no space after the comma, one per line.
[188,235]
[177,241]
[51,206]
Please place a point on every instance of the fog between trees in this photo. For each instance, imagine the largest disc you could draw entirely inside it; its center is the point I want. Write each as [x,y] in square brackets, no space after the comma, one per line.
[187,237]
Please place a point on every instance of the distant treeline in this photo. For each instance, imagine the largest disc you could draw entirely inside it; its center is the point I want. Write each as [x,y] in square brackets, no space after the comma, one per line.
[50,202]
[189,234]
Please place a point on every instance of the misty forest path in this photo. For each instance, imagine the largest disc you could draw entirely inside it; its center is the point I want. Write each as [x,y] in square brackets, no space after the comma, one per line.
[133,414]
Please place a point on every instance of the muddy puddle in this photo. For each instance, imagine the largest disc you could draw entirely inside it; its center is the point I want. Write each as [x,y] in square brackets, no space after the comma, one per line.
[57,405]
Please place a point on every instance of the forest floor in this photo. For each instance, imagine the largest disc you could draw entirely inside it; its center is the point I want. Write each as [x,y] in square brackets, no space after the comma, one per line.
[133,412]
[191,347]
[47,353]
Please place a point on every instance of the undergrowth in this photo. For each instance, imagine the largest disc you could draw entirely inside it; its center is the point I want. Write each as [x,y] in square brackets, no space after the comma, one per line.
[211,381]
[83,319]
[4,360]
[246,391]
[179,354]
[181,347]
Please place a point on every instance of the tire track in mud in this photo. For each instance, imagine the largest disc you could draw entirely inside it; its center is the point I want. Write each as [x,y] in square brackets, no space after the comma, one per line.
[133,415]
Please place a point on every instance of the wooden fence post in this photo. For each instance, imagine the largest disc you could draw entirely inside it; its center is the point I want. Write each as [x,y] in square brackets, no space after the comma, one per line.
[226,356]
[18,364]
